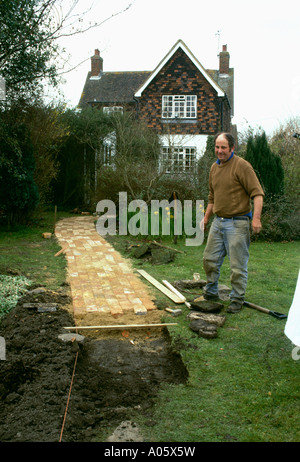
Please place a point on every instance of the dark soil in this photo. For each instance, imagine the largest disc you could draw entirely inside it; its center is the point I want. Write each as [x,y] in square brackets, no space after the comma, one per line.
[116,378]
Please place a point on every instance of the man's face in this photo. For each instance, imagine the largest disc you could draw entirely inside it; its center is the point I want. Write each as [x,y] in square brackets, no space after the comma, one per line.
[222,149]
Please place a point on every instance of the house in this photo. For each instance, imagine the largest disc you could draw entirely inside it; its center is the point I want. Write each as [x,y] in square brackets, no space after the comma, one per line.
[180,99]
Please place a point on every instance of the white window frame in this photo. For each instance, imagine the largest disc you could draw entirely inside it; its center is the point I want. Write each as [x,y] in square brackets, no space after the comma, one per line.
[179,159]
[109,149]
[179,107]
[112,109]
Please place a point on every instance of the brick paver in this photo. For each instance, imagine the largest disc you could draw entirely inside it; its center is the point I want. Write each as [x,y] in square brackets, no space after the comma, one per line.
[101,279]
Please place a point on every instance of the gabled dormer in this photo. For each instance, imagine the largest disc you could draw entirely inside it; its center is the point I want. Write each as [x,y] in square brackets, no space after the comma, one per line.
[179,45]
[180,96]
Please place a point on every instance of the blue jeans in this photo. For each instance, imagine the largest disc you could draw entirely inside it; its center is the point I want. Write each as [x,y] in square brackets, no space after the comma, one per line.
[230,237]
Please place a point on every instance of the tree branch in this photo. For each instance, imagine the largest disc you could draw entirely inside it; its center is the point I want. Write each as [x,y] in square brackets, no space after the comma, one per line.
[32,29]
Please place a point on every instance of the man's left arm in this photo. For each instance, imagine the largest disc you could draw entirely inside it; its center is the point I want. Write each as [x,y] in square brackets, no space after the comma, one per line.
[258,202]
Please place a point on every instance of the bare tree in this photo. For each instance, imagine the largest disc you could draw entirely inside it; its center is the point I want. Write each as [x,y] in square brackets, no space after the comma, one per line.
[30,31]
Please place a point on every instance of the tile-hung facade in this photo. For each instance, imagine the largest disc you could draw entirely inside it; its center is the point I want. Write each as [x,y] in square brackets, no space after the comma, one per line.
[181,100]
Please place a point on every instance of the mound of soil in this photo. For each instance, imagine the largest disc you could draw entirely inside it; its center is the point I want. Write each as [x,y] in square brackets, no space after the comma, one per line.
[116,377]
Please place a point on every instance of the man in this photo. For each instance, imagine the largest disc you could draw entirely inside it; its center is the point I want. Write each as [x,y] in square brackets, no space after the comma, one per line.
[232,185]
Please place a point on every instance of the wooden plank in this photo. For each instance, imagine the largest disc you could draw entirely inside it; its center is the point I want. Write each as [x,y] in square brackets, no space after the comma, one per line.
[60,251]
[161,287]
[174,290]
[179,294]
[124,326]
[41,307]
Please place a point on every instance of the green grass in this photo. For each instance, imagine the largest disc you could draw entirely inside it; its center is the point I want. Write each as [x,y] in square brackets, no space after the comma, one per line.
[244,385]
[25,252]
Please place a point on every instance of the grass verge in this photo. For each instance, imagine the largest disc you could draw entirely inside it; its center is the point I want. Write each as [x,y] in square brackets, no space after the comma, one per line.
[24,252]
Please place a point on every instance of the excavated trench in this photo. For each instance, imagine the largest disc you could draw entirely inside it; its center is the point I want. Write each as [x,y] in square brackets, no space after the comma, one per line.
[116,378]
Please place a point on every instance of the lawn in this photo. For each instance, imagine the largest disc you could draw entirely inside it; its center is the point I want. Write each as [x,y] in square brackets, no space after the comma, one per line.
[243,386]
[24,251]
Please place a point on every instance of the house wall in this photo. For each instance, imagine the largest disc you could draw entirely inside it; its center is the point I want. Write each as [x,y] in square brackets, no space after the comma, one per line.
[181,77]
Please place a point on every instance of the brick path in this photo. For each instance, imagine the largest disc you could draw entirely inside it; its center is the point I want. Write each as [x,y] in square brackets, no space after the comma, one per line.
[101,279]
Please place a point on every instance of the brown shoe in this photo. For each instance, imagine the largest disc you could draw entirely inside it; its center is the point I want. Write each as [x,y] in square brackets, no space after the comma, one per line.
[210,297]
[234,307]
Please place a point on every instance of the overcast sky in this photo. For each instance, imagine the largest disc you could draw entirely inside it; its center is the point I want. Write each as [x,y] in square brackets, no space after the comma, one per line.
[262,37]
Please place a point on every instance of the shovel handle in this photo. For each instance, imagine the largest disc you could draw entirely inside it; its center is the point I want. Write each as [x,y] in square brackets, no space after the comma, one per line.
[257,307]
[265,310]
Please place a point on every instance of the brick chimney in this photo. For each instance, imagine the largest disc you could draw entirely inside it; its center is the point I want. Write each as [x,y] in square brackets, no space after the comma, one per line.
[224,61]
[96,64]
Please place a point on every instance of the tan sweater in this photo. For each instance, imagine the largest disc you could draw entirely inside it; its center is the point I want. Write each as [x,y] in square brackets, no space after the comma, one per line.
[231,186]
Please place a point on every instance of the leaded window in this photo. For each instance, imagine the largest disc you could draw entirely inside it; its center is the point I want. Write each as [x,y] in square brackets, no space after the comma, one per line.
[179,106]
[178,159]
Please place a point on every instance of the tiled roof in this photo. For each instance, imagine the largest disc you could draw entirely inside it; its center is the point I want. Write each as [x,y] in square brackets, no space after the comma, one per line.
[112,87]
[121,87]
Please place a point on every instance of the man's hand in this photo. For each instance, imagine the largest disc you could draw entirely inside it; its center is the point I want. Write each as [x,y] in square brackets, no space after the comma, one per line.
[203,224]
[205,220]
[258,205]
[256,225]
